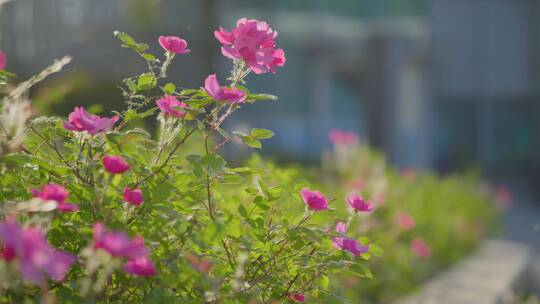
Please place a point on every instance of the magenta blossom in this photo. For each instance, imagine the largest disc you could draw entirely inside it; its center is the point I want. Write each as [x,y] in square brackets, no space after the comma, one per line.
[314,199]
[170,105]
[79,120]
[253,42]
[115,164]
[141,266]
[341,227]
[36,257]
[133,196]
[356,202]
[118,244]
[174,44]
[420,248]
[232,95]
[503,197]
[405,221]
[298,297]
[342,137]
[3,60]
[57,193]
[349,245]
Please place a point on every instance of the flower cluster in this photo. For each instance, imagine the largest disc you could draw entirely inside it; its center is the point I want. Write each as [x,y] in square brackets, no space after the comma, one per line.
[215,236]
[316,201]
[253,42]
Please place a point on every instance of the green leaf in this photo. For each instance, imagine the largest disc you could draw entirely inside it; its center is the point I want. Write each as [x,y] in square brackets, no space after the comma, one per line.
[376,250]
[148,57]
[146,81]
[132,114]
[213,162]
[257,97]
[252,142]
[125,38]
[325,282]
[242,210]
[261,133]
[20,159]
[169,88]
[162,192]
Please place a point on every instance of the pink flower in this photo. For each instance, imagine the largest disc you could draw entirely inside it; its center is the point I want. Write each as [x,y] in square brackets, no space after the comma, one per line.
[409,174]
[133,196]
[420,248]
[232,95]
[174,44]
[10,239]
[356,202]
[115,164]
[141,266]
[57,193]
[341,227]
[342,137]
[169,106]
[314,199]
[37,259]
[79,120]
[298,297]
[349,245]
[405,221]
[356,184]
[118,244]
[503,197]
[3,60]
[254,42]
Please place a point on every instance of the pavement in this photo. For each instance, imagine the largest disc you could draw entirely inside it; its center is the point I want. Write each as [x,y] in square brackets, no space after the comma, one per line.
[500,268]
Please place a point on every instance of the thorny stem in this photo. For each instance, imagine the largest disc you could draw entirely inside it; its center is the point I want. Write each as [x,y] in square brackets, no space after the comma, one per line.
[208,180]
[55,149]
[169,156]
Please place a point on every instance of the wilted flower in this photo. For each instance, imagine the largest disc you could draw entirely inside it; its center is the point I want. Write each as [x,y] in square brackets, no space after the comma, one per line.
[133,196]
[405,221]
[314,199]
[254,42]
[79,120]
[356,202]
[198,263]
[57,193]
[3,60]
[350,245]
[141,266]
[342,137]
[115,164]
[36,257]
[170,105]
[232,95]
[174,44]
[341,227]
[420,248]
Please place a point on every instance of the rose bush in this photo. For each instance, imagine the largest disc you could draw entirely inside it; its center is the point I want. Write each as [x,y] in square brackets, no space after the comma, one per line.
[96,209]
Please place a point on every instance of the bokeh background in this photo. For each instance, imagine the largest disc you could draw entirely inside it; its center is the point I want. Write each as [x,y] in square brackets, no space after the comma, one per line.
[437,84]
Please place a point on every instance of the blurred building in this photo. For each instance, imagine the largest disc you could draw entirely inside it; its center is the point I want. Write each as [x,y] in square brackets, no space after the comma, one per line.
[434,83]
